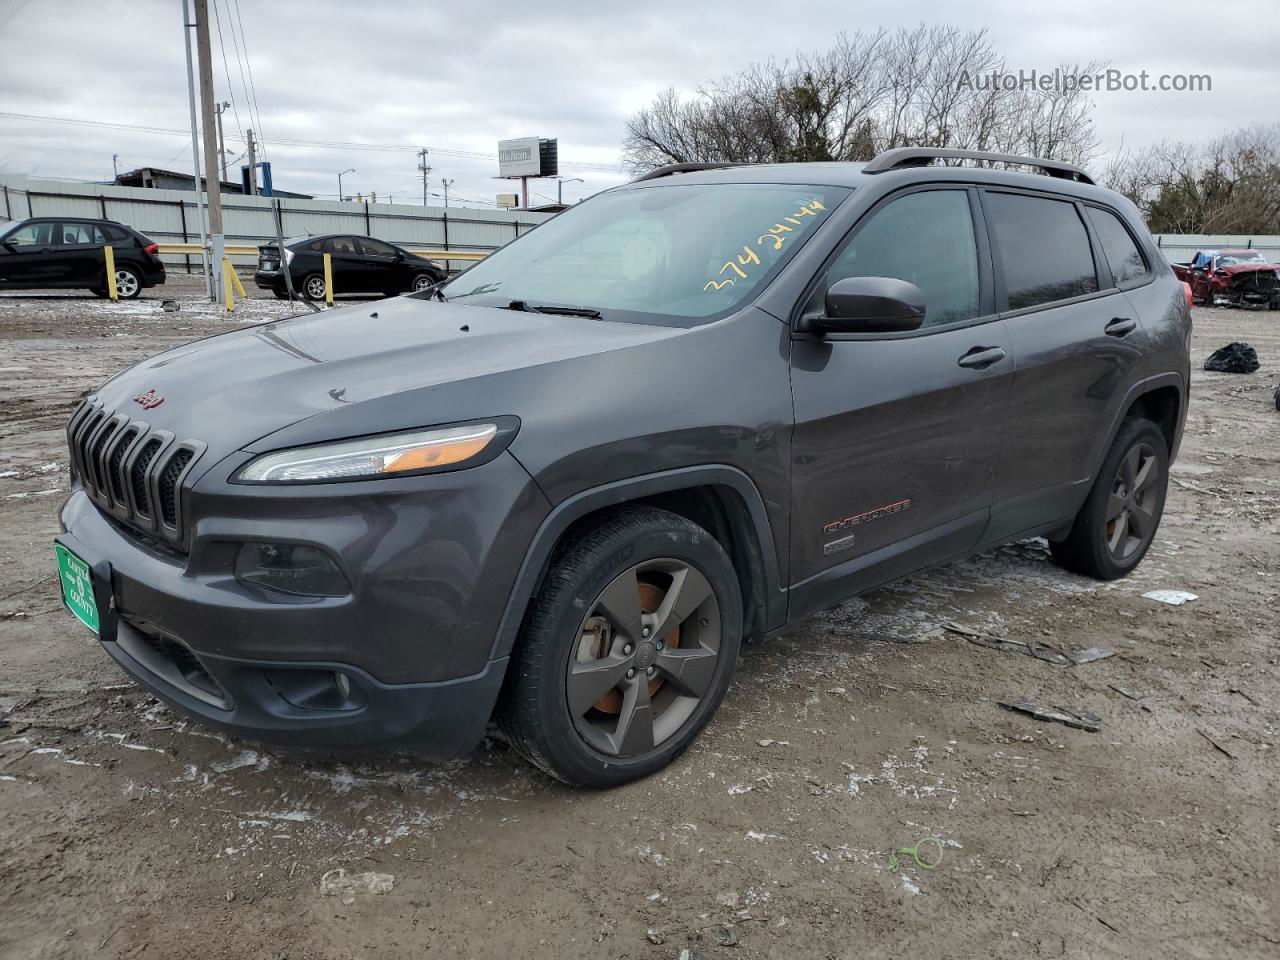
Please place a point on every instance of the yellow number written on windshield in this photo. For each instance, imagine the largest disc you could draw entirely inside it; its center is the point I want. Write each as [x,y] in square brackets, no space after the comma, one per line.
[740,266]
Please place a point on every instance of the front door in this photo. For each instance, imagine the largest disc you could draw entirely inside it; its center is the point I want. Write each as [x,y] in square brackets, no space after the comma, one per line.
[30,256]
[897,435]
[385,266]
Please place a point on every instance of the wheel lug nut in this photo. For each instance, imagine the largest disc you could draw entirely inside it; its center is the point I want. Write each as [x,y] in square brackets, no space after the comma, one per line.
[631,673]
[627,650]
[660,644]
[650,672]
[644,632]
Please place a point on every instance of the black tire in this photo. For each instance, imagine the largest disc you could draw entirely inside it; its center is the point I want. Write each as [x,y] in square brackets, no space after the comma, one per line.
[1114,529]
[100,293]
[313,287]
[420,282]
[628,547]
[281,294]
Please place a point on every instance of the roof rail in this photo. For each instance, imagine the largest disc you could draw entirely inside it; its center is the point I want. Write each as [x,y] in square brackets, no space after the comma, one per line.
[670,168]
[923,156]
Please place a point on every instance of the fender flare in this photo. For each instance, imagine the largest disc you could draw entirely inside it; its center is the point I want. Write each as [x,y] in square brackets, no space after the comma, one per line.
[1136,390]
[619,492]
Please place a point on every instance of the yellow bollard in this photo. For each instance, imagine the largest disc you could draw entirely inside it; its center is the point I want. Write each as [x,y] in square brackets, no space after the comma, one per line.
[110,256]
[328,279]
[230,280]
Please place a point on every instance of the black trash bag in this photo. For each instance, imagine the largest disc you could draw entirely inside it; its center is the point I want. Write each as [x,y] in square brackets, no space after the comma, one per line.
[1233,358]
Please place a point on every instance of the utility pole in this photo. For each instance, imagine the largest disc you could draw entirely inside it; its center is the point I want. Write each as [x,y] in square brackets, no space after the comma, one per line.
[115,165]
[213,185]
[422,165]
[222,140]
[253,165]
[195,148]
[446,184]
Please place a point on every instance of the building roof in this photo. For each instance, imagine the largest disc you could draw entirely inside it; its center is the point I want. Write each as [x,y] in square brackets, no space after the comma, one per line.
[140,176]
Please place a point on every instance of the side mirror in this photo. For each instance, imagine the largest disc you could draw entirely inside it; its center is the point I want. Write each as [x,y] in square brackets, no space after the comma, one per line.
[11,246]
[872,305]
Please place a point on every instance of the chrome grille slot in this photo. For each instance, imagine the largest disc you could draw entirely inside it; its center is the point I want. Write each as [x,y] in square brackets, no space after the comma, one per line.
[132,472]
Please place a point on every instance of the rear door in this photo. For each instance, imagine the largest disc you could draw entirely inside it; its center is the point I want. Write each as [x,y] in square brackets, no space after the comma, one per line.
[1076,338]
[386,268]
[30,255]
[897,435]
[82,245]
[350,274]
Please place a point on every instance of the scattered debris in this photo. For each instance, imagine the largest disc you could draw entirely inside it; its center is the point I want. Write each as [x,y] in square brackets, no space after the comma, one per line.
[1124,692]
[170,306]
[655,936]
[1216,745]
[920,853]
[1276,396]
[726,936]
[1175,598]
[1239,692]
[1235,357]
[1080,719]
[769,743]
[340,883]
[1040,651]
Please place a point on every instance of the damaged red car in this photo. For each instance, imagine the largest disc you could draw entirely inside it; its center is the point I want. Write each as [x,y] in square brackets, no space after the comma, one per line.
[1240,277]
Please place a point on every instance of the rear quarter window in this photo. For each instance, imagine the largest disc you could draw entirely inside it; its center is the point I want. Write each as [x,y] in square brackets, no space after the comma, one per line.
[1118,246]
[1043,249]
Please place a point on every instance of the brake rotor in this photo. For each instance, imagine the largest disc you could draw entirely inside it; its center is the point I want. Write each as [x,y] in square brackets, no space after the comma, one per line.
[651,596]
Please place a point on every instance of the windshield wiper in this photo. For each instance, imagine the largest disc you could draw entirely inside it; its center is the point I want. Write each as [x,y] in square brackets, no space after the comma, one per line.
[526,307]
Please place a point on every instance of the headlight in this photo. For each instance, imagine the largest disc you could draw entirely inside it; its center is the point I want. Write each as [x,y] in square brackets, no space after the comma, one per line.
[384,456]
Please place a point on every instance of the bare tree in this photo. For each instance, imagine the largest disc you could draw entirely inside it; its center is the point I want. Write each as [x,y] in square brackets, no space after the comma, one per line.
[869,92]
[1228,185]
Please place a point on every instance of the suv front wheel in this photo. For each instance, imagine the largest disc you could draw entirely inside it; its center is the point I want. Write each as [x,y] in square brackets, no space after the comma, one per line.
[1115,527]
[627,650]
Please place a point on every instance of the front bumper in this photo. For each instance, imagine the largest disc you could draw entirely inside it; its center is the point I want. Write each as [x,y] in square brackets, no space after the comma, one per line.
[430,561]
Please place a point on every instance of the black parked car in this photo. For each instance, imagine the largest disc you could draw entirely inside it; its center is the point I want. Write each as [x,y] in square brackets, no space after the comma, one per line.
[560,489]
[52,252]
[359,265]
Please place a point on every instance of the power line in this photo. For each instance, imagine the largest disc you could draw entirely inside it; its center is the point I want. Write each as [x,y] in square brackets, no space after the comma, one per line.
[253,90]
[297,141]
[226,70]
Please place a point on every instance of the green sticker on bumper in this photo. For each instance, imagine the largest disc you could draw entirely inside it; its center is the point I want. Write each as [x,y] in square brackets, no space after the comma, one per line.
[77,586]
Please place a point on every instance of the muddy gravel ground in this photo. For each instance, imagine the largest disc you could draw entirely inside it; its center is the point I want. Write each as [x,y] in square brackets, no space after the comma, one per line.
[127,831]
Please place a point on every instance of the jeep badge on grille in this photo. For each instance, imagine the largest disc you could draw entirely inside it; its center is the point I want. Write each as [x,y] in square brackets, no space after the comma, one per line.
[149,400]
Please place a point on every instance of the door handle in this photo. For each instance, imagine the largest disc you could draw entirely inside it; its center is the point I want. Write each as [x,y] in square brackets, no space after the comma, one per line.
[1121,327]
[981,357]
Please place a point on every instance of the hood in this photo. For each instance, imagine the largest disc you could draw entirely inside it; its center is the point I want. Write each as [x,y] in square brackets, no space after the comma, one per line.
[1239,268]
[395,364]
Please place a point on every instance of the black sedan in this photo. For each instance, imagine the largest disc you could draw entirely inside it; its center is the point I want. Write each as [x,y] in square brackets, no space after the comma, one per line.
[359,265]
[51,252]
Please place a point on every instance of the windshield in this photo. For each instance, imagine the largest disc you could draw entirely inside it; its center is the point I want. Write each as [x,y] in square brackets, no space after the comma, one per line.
[672,254]
[1231,259]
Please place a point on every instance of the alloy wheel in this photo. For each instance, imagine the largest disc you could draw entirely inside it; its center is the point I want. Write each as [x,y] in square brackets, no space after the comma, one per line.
[1131,508]
[126,283]
[422,283]
[646,656]
[315,288]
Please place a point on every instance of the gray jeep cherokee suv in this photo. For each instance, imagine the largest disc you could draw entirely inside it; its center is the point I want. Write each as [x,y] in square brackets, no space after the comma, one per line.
[560,489]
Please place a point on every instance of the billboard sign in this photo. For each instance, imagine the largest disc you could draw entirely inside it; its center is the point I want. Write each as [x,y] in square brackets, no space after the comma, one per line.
[519,158]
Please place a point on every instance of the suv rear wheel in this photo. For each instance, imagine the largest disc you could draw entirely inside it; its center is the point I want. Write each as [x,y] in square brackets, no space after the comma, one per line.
[1115,527]
[627,650]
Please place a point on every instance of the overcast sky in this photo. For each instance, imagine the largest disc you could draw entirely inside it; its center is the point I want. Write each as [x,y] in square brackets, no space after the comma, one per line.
[457,77]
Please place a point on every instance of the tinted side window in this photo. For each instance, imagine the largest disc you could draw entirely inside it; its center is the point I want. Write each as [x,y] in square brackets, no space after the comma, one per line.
[340,245]
[33,235]
[1118,247]
[924,238]
[376,248]
[1043,247]
[115,234]
[81,233]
